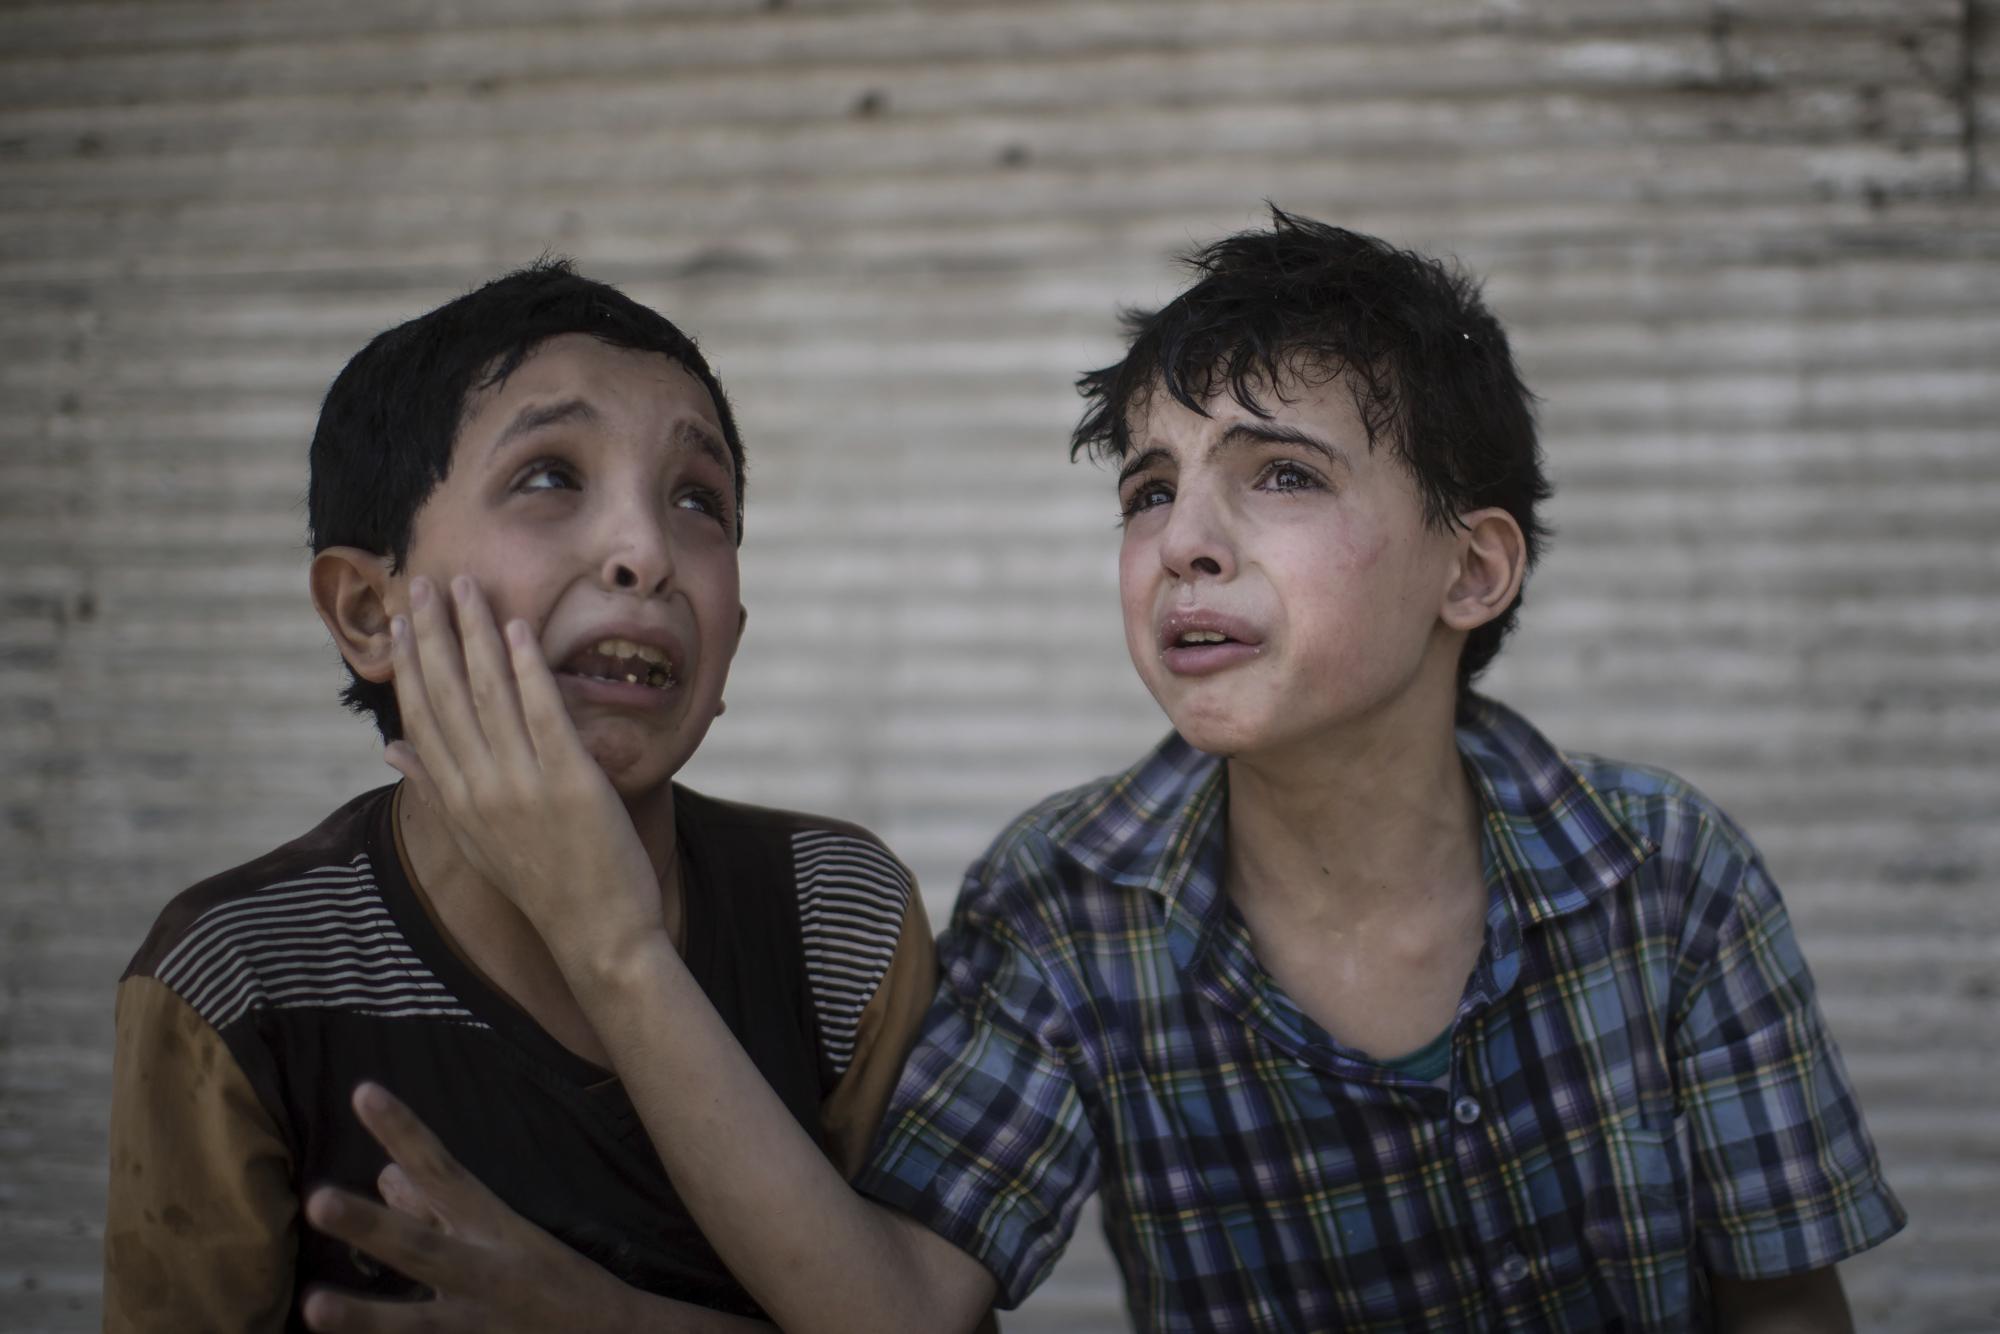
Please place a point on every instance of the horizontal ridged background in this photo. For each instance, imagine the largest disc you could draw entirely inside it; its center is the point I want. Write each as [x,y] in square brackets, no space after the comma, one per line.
[1747,251]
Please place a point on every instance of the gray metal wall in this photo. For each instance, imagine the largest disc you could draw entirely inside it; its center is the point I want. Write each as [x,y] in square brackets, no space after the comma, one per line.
[1747,250]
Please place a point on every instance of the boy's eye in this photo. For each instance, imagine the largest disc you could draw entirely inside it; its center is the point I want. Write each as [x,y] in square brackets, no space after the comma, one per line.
[548,475]
[703,500]
[1144,496]
[1287,476]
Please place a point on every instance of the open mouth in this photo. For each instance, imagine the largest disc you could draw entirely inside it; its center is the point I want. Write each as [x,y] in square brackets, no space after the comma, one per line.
[1205,628]
[1197,641]
[622,662]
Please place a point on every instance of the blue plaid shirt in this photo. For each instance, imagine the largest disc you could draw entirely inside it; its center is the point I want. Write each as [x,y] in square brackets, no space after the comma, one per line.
[1641,1089]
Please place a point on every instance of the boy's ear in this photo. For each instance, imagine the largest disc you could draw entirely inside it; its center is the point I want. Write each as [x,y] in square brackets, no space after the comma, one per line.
[1492,562]
[350,591]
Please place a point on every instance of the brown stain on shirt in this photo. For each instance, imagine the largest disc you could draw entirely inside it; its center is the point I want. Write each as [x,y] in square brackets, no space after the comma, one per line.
[201,1228]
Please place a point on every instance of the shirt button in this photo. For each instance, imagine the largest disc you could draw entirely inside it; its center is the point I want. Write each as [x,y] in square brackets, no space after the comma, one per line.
[1465,1111]
[1512,1269]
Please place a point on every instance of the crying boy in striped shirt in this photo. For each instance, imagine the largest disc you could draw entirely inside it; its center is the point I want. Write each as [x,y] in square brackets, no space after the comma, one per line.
[549,451]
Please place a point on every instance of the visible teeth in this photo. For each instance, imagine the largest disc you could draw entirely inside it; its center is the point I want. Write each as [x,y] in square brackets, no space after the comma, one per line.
[625,648]
[630,679]
[1203,637]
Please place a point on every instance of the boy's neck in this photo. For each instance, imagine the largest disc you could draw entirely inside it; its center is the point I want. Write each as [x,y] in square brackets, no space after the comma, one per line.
[484,927]
[1356,870]
[1377,822]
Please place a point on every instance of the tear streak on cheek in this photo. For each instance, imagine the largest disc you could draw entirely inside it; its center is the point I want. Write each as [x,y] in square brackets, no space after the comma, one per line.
[1369,553]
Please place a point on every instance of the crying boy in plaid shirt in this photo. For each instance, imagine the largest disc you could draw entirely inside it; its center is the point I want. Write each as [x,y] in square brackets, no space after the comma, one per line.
[1363,1005]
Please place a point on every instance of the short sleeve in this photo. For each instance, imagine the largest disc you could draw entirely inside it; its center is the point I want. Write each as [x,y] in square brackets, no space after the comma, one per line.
[985,1141]
[1785,1175]
[201,1231]
[852,1112]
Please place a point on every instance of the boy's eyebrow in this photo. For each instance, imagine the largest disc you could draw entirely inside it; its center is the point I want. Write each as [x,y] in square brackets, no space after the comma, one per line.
[1276,433]
[1143,461]
[537,416]
[1245,433]
[694,433]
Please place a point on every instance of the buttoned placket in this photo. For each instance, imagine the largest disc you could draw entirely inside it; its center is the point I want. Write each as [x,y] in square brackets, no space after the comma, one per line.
[1503,1245]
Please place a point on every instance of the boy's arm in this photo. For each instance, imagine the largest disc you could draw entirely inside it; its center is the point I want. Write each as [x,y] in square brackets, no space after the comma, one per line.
[814,1253]
[535,814]
[1786,1179]
[1808,1303]
[201,1228]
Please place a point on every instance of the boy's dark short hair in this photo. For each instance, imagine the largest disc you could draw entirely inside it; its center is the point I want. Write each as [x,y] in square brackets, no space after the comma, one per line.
[387,427]
[1429,367]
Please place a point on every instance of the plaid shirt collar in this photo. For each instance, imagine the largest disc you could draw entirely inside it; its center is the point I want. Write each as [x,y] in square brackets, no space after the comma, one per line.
[1550,843]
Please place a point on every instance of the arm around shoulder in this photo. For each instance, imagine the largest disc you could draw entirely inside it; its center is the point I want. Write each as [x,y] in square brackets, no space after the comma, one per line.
[814,1253]
[987,1141]
[201,1229]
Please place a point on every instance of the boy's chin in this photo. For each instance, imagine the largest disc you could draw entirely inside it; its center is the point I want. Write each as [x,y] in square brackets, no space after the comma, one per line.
[637,765]
[1232,735]
[1218,731]
[1212,741]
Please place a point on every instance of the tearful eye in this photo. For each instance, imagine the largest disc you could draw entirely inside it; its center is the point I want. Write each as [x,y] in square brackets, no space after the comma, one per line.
[704,500]
[1290,477]
[1148,495]
[548,475]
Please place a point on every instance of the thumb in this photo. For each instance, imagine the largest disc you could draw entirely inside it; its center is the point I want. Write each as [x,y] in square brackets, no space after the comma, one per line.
[403,758]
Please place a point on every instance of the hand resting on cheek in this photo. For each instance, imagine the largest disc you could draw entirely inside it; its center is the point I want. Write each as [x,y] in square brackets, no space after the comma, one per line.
[489,745]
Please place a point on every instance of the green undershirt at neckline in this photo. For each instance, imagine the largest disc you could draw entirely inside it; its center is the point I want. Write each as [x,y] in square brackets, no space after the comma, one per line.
[1428,1062]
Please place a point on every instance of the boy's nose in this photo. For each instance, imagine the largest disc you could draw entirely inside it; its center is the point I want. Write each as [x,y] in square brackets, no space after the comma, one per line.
[639,559]
[1195,543]
[624,576]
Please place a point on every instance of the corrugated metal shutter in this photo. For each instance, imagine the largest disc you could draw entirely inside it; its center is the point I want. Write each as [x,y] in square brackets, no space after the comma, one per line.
[1747,250]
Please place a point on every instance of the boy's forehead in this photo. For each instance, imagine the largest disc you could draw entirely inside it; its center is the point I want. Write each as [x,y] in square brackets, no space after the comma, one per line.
[1306,392]
[577,377]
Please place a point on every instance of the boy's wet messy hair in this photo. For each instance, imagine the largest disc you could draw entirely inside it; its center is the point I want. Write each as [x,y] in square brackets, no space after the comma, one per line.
[1303,302]
[387,427]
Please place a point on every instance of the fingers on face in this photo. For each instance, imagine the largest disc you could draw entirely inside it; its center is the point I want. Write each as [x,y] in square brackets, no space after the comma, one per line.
[490,676]
[548,723]
[442,662]
[413,702]
[471,694]
[404,759]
